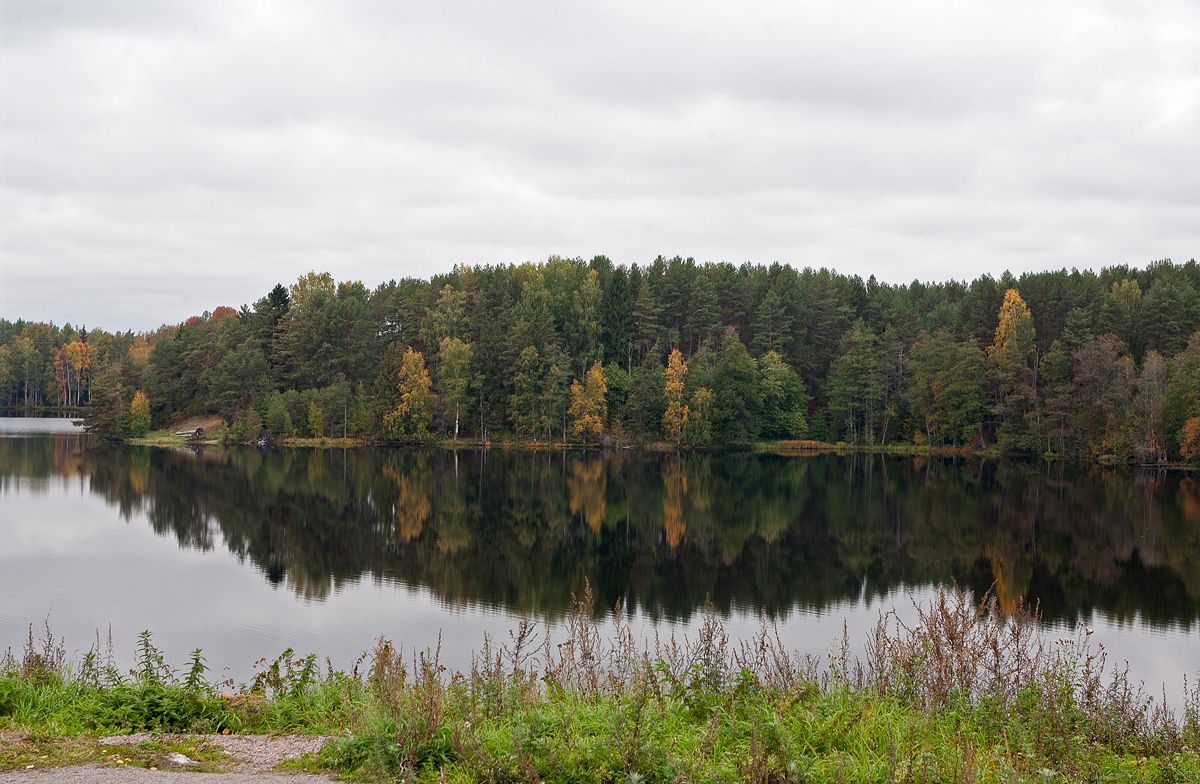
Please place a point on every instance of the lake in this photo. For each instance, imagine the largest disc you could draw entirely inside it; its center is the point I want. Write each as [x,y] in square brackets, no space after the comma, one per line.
[245,553]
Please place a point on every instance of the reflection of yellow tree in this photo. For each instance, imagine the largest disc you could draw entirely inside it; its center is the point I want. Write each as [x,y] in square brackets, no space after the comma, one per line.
[68,457]
[586,488]
[139,472]
[453,533]
[411,506]
[675,483]
[1010,574]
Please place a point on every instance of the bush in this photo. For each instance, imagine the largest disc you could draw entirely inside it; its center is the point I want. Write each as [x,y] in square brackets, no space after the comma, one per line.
[9,686]
[279,421]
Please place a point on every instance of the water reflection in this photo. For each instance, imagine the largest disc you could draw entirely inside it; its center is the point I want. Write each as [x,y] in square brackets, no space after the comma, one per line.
[522,531]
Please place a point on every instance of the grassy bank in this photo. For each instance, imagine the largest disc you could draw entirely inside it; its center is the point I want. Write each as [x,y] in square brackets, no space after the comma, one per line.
[215,432]
[963,695]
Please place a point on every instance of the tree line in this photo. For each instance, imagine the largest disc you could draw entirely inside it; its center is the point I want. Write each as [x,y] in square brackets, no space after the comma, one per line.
[1072,363]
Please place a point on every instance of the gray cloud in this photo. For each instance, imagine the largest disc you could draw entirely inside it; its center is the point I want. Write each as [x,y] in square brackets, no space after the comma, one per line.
[162,159]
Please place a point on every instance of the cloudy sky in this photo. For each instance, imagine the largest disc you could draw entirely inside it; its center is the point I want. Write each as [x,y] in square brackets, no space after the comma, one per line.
[164,158]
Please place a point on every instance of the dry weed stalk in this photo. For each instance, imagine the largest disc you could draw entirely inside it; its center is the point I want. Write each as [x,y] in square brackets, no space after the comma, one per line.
[957,652]
[43,659]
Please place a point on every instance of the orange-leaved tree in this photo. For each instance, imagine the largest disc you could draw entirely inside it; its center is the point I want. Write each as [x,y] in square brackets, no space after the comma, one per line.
[71,366]
[588,408]
[676,416]
[1191,439]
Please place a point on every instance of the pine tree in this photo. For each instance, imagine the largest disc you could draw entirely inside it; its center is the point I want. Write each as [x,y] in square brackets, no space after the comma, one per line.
[697,429]
[1168,315]
[617,321]
[1078,329]
[1121,314]
[773,325]
[645,313]
[524,400]
[784,400]
[107,414]
[703,315]
[586,309]
[855,383]
[736,402]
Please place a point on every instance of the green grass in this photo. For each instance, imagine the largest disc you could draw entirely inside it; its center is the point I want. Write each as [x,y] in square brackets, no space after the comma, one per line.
[965,695]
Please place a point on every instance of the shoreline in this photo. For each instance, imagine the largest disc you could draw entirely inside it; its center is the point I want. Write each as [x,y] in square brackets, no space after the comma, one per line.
[783,448]
[780,448]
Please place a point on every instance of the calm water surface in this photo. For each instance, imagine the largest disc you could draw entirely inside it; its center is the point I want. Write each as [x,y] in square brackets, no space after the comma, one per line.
[245,553]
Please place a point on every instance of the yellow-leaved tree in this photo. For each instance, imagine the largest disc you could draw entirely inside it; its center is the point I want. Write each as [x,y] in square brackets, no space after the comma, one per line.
[305,288]
[139,415]
[71,366]
[676,416]
[1014,332]
[415,410]
[588,407]
[1010,353]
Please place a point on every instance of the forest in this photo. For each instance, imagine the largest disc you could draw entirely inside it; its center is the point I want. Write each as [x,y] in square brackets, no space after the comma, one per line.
[1098,365]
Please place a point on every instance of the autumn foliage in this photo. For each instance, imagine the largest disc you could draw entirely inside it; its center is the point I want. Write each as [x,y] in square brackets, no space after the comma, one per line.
[676,416]
[588,407]
[413,414]
[1190,447]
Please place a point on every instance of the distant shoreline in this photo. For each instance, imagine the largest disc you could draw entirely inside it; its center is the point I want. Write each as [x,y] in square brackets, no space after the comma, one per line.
[781,448]
[167,439]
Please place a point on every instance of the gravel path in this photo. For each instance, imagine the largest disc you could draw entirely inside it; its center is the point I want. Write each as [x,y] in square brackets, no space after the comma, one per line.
[83,774]
[250,756]
[249,752]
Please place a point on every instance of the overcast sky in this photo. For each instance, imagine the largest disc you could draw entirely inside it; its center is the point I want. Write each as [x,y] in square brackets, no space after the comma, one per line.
[164,158]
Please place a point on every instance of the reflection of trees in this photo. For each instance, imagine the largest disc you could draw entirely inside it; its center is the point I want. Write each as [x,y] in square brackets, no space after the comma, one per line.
[674,490]
[524,530]
[586,488]
[41,458]
[410,505]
